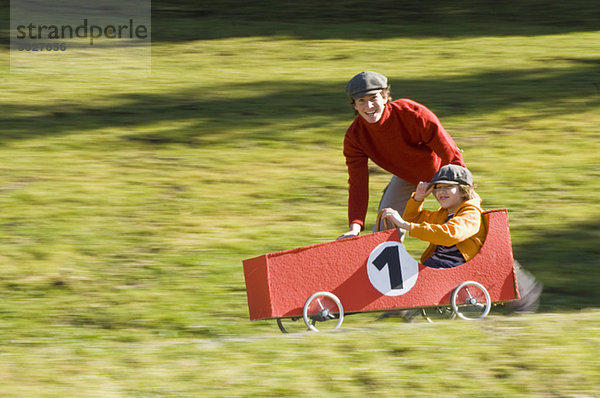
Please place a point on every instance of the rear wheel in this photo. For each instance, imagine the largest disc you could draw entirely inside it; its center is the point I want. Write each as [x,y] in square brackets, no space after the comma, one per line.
[471,301]
[291,325]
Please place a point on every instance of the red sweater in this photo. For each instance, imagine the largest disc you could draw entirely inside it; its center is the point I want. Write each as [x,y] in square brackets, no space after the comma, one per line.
[409,142]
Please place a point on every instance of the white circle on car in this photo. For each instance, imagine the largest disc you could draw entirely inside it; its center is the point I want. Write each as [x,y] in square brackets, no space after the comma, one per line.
[391,270]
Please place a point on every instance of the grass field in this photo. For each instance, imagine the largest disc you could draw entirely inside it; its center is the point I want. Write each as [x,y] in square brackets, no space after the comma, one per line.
[130,200]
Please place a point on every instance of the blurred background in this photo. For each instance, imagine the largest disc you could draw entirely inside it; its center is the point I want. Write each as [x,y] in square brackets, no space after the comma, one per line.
[130,197]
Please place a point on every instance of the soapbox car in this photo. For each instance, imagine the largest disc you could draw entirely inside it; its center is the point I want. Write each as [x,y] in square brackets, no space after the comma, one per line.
[374,272]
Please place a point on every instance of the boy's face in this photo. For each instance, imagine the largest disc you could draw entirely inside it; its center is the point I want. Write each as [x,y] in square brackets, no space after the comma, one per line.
[370,107]
[448,195]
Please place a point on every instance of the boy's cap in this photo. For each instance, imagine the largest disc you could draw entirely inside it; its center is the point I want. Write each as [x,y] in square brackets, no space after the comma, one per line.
[366,83]
[452,174]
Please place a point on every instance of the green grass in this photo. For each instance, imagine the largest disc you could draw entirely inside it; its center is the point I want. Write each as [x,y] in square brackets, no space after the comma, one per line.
[497,358]
[130,200]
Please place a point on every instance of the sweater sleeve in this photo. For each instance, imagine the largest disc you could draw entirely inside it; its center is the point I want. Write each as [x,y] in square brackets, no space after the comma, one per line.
[462,226]
[358,182]
[437,138]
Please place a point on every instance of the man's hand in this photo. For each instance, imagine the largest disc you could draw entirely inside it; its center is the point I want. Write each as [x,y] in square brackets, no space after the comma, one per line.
[354,231]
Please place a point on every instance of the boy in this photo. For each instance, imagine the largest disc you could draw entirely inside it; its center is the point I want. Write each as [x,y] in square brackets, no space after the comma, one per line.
[455,231]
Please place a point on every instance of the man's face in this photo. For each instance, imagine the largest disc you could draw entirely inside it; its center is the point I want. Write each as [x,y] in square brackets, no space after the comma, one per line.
[370,107]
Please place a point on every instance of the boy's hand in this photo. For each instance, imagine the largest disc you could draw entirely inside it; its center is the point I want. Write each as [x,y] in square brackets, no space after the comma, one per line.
[394,217]
[423,191]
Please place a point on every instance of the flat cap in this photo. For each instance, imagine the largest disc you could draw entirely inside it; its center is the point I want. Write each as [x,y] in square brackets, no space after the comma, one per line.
[452,174]
[366,83]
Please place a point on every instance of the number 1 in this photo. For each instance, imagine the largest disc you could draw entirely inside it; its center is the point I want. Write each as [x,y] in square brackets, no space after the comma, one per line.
[391,257]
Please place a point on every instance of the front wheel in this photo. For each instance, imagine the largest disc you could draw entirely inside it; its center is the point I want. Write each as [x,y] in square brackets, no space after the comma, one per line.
[322,307]
[436,314]
[471,301]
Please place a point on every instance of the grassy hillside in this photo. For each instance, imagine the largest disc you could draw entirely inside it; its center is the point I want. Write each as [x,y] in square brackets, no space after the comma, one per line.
[129,200]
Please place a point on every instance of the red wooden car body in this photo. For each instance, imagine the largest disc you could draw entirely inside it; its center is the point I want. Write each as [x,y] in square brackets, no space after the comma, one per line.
[278,284]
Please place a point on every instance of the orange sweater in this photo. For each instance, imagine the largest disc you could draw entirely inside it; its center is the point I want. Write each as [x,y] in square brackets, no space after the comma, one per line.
[466,229]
